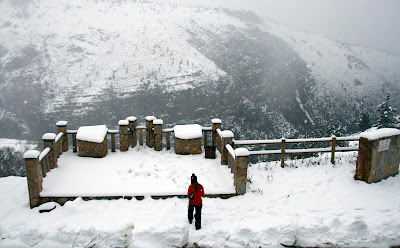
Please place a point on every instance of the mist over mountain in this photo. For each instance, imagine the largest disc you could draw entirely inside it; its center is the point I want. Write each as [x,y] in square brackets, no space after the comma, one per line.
[95,62]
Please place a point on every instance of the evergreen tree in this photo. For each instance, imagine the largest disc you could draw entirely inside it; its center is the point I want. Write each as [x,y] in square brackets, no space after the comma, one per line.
[364,122]
[387,115]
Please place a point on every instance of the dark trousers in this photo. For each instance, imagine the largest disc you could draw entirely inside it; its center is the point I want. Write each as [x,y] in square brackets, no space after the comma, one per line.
[197,216]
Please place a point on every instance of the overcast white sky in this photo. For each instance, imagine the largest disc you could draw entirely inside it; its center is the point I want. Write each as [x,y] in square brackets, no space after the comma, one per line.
[371,23]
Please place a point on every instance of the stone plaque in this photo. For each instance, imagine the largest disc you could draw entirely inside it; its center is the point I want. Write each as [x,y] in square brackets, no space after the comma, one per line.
[384,145]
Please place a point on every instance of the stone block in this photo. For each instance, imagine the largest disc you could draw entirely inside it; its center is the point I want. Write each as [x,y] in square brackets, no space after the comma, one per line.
[379,155]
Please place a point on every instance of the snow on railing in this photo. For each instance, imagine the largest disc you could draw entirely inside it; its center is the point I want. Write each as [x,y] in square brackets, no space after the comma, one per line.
[230,150]
[44,153]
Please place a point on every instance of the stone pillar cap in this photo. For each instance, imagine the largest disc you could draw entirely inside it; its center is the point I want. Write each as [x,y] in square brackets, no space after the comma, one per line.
[31,154]
[158,122]
[61,123]
[380,133]
[227,134]
[49,136]
[150,118]
[131,118]
[216,121]
[242,152]
[123,123]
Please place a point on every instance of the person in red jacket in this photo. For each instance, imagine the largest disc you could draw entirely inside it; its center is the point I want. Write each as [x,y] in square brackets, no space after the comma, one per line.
[195,192]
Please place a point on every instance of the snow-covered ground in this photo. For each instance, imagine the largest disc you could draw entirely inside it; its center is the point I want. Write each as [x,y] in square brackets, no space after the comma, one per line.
[140,171]
[308,203]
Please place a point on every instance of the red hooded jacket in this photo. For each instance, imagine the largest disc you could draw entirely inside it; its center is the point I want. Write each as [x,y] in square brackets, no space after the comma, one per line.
[197,194]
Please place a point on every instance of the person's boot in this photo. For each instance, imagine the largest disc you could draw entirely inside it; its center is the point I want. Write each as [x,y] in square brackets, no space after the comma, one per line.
[198,226]
[190,221]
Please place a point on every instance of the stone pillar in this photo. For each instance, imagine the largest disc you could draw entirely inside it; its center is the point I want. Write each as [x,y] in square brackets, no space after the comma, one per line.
[227,138]
[240,170]
[123,135]
[132,131]
[149,131]
[49,141]
[157,123]
[378,155]
[216,124]
[34,176]
[62,126]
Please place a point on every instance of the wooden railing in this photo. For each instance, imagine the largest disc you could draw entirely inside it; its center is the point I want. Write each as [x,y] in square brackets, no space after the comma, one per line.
[283,142]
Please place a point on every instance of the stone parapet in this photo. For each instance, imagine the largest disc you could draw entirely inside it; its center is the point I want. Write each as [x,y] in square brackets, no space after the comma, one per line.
[62,127]
[123,135]
[240,170]
[49,140]
[34,176]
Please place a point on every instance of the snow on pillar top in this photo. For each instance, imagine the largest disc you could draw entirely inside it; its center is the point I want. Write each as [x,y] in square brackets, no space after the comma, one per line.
[123,123]
[216,121]
[49,136]
[61,123]
[131,118]
[32,154]
[227,134]
[380,133]
[150,118]
[158,122]
[242,152]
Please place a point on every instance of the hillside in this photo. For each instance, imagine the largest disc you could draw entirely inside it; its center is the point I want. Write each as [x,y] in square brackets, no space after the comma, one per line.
[95,62]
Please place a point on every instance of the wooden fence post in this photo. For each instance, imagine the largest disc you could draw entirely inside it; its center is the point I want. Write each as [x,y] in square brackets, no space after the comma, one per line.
[205,139]
[141,136]
[240,171]
[283,152]
[157,123]
[227,138]
[112,142]
[74,146]
[34,176]
[333,149]
[149,131]
[216,124]
[123,135]
[62,126]
[168,141]
[49,141]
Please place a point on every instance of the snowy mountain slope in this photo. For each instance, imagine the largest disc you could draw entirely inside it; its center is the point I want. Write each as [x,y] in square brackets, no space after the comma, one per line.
[94,61]
[344,72]
[88,47]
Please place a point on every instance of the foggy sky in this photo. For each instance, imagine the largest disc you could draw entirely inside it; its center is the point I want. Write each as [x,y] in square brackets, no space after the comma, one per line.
[370,23]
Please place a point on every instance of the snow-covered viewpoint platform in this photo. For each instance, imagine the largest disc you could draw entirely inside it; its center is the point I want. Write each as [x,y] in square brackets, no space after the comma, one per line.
[141,171]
